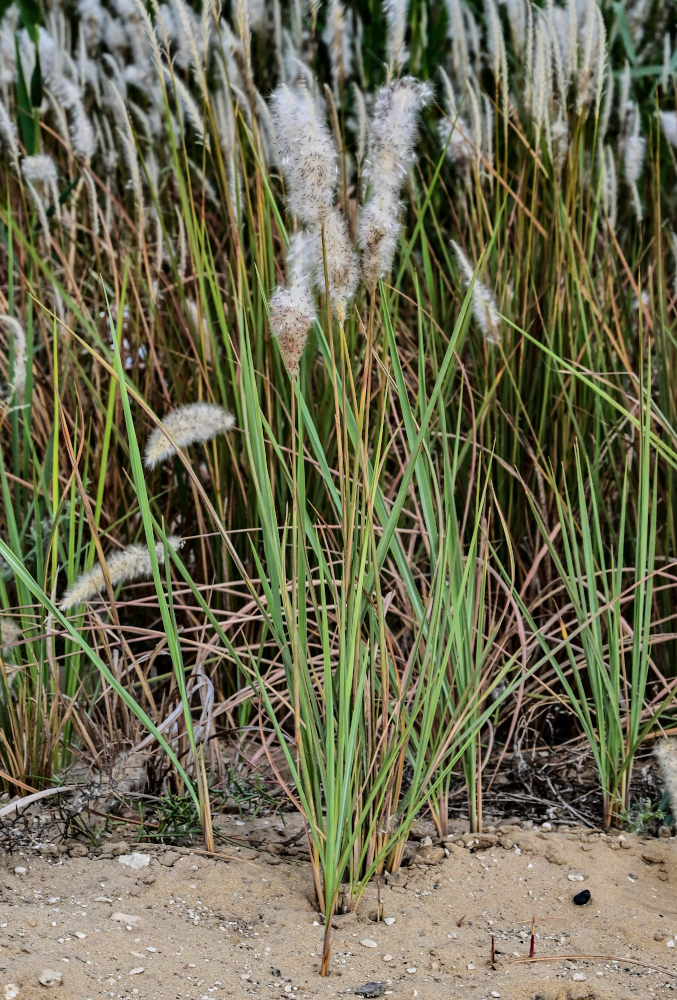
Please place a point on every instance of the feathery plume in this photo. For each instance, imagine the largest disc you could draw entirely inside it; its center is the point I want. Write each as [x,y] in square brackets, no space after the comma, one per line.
[633,157]
[559,140]
[393,130]
[124,566]
[393,134]
[633,161]
[195,422]
[361,128]
[483,303]
[41,169]
[8,135]
[666,755]
[302,259]
[377,236]
[10,633]
[454,132]
[292,313]
[342,263]
[667,60]
[456,31]
[307,154]
[668,120]
[609,186]
[338,37]
[396,19]
[16,332]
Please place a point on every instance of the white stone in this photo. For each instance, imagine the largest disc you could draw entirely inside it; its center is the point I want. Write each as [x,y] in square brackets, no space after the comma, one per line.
[389,921]
[125,918]
[135,860]
[578,977]
[368,943]
[11,991]
[20,870]
[137,970]
[387,958]
[412,970]
[576,877]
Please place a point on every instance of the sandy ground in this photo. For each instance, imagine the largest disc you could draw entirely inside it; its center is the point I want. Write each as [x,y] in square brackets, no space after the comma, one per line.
[193,926]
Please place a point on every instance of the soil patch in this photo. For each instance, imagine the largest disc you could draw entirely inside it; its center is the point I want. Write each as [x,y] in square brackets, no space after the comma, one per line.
[186,925]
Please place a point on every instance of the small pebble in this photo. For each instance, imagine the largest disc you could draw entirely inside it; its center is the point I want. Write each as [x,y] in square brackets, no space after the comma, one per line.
[495,993]
[583,897]
[20,870]
[368,943]
[576,877]
[389,921]
[388,957]
[137,970]
[412,970]
[670,944]
[11,991]
[578,977]
[48,977]
[370,990]
[470,966]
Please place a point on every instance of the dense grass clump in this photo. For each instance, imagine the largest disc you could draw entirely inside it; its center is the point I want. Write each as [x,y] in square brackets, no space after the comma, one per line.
[338,426]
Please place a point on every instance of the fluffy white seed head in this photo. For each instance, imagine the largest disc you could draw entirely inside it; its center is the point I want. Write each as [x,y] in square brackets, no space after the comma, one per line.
[190,424]
[16,332]
[633,158]
[609,186]
[302,259]
[8,134]
[668,120]
[666,755]
[124,566]
[10,633]
[393,130]
[307,154]
[39,169]
[342,262]
[378,234]
[338,37]
[91,18]
[484,306]
[292,313]
[456,136]
[396,20]
[559,137]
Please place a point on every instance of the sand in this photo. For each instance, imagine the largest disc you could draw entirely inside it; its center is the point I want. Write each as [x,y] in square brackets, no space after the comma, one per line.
[244,924]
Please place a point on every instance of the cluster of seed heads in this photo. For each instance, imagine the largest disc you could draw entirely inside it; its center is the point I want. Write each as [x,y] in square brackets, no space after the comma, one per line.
[322,255]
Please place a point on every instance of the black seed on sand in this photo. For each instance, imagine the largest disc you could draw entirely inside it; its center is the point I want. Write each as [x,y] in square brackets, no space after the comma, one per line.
[581,898]
[370,990]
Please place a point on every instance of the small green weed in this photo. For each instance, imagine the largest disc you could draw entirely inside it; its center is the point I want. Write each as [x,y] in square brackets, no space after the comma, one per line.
[644,817]
[173,819]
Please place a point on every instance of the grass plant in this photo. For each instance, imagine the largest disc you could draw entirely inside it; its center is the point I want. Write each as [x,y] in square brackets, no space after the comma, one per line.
[433,483]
